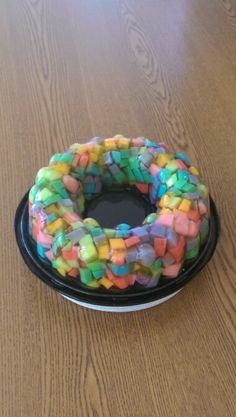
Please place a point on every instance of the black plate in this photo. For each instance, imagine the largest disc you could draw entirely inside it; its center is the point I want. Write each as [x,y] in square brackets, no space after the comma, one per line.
[135,295]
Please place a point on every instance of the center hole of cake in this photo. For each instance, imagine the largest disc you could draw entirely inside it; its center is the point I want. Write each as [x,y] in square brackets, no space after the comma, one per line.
[115,207]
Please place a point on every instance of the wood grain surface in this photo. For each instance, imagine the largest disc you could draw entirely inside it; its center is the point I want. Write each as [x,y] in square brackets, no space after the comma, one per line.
[72,69]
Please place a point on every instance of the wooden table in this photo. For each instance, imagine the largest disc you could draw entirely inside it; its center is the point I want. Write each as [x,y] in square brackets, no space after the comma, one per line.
[72,69]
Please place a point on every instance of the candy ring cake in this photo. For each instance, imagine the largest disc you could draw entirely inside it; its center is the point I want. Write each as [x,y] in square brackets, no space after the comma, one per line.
[81,249]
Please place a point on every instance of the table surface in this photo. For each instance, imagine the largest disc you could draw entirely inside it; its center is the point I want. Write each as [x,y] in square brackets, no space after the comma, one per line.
[73,69]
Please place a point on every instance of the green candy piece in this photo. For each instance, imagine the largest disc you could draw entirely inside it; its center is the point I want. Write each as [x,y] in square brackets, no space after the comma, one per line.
[147,177]
[32,193]
[93,169]
[188,187]
[151,218]
[54,198]
[192,253]
[47,173]
[171,181]
[62,158]
[116,156]
[138,174]
[172,166]
[180,184]
[88,251]
[58,186]
[79,173]
[85,276]
[129,174]
[120,177]
[110,233]
[80,202]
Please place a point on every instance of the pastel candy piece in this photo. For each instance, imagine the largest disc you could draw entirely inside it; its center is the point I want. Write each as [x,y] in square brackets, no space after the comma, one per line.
[70,254]
[105,282]
[142,187]
[76,235]
[160,246]
[164,174]
[163,159]
[120,270]
[202,208]
[71,183]
[171,271]
[132,241]
[146,254]
[137,141]
[151,218]
[83,162]
[165,220]
[162,190]
[103,252]
[191,243]
[49,254]
[74,272]
[85,276]
[172,238]
[167,260]
[141,232]
[58,224]
[143,280]
[157,230]
[75,161]
[180,164]
[121,283]
[146,158]
[117,244]
[132,255]
[177,252]
[171,181]
[88,252]
[152,282]
[154,170]
[71,217]
[185,205]
[181,225]
[193,170]
[193,228]
[118,258]
[44,239]
[193,179]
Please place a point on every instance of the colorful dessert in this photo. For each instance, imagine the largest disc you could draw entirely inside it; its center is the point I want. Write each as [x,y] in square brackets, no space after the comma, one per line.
[82,249]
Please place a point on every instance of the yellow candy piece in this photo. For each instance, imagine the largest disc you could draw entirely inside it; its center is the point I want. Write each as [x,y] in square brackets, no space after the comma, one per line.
[103,252]
[165,210]
[117,244]
[136,267]
[93,157]
[55,226]
[194,171]
[52,209]
[61,272]
[105,282]
[94,284]
[164,201]
[163,159]
[124,143]
[110,144]
[185,205]
[62,168]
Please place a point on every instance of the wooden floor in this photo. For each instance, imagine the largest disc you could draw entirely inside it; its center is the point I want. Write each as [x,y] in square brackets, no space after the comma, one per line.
[72,69]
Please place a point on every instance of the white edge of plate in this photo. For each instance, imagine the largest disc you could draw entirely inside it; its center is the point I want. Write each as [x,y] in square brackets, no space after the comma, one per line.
[122,309]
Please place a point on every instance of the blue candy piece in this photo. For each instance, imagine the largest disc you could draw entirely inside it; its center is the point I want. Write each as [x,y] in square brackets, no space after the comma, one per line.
[162,190]
[157,230]
[120,270]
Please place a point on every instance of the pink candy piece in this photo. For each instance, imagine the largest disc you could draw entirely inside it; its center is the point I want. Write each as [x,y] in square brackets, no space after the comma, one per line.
[71,183]
[49,255]
[193,228]
[83,162]
[154,169]
[75,161]
[180,164]
[202,208]
[181,225]
[171,271]
[166,220]
[137,142]
[44,240]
